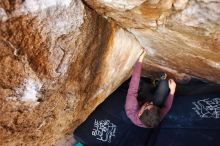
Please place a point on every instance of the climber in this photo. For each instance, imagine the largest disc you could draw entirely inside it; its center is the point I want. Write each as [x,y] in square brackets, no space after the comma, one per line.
[150,113]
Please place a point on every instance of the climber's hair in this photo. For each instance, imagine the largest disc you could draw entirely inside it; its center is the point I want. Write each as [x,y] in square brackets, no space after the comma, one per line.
[151,118]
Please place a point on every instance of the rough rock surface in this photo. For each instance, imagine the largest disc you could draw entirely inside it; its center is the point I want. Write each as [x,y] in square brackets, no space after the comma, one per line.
[58,61]
[181,37]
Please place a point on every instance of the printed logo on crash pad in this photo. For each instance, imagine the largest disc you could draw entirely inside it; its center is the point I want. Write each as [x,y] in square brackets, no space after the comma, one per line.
[207,108]
[104,130]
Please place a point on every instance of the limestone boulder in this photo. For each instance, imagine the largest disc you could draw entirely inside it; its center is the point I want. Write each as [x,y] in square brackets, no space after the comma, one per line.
[58,60]
[181,37]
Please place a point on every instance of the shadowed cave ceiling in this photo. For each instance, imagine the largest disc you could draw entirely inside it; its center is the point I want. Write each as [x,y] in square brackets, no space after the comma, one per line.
[59,59]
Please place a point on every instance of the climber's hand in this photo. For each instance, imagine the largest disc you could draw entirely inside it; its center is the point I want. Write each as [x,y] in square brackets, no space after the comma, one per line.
[172,86]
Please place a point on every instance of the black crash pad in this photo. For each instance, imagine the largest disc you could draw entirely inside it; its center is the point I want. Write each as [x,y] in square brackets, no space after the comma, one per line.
[192,120]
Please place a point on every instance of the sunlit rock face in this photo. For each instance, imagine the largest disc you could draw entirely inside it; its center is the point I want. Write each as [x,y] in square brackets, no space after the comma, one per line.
[181,37]
[58,61]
